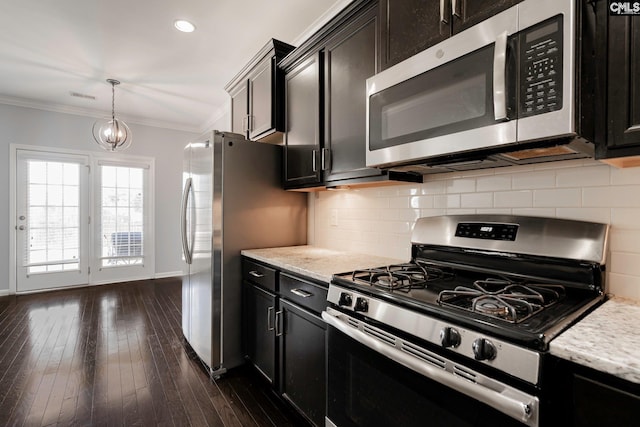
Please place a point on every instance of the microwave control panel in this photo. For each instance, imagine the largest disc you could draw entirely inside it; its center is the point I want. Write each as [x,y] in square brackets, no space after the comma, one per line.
[541,68]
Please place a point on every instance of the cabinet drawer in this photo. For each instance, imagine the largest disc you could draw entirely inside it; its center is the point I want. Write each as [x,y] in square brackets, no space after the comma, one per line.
[259,274]
[306,294]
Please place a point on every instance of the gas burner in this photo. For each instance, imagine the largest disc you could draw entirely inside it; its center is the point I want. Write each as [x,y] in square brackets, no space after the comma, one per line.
[502,299]
[399,277]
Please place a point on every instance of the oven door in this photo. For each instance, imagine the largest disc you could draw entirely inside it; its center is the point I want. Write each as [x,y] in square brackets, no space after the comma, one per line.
[454,97]
[378,379]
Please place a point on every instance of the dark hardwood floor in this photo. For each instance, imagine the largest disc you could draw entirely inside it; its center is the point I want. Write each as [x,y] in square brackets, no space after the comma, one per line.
[114,355]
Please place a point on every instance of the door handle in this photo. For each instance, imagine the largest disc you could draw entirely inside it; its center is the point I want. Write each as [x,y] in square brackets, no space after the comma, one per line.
[454,9]
[443,15]
[500,78]
[278,321]
[21,228]
[183,217]
[323,158]
[270,326]
[314,160]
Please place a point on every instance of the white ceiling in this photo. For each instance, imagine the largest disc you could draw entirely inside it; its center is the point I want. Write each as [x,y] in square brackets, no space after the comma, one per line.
[50,48]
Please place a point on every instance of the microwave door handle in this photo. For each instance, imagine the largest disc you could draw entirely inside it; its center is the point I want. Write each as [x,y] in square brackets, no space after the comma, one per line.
[500,78]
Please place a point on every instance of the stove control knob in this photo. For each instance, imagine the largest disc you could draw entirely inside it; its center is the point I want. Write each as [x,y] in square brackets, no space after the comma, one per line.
[361,305]
[345,300]
[449,337]
[483,349]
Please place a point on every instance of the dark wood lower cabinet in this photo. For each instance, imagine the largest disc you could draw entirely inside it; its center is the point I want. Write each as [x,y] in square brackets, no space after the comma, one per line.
[284,336]
[259,325]
[583,397]
[302,361]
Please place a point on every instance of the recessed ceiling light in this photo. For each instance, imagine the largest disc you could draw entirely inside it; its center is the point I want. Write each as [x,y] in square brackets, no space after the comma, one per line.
[184,26]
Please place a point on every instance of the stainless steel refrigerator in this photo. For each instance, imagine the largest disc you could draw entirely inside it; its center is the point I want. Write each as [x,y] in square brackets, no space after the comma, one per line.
[232,200]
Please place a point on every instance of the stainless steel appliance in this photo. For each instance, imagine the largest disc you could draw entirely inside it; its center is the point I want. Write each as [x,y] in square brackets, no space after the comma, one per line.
[458,335]
[523,79]
[232,200]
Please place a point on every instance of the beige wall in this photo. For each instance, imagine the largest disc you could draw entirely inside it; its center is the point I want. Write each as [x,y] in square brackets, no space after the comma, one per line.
[378,221]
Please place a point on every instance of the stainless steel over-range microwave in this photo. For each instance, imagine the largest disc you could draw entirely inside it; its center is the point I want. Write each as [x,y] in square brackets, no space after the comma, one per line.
[505,82]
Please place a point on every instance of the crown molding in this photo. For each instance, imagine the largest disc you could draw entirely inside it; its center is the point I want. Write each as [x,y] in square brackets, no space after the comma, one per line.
[321,21]
[87,112]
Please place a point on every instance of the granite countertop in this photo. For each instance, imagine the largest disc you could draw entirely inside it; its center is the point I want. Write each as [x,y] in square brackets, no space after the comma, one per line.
[607,340]
[317,263]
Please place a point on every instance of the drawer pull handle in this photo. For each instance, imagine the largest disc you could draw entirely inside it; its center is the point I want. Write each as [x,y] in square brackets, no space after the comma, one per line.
[301,293]
[256,274]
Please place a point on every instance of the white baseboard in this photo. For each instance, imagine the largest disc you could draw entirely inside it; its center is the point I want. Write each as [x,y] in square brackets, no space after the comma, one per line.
[168,274]
[4,292]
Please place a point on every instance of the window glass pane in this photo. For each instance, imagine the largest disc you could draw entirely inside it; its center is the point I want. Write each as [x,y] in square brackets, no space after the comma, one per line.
[52,214]
[122,219]
[54,195]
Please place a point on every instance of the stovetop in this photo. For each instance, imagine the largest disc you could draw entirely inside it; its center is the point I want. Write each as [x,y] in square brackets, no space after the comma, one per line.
[523,311]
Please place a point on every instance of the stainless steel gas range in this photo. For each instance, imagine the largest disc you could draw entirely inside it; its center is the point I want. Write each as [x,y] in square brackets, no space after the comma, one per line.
[458,335]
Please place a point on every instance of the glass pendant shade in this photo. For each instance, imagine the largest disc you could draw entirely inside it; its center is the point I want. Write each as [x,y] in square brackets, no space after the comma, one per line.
[110,133]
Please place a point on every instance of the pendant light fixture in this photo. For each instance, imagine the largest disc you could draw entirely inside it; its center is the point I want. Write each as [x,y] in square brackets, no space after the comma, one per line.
[110,133]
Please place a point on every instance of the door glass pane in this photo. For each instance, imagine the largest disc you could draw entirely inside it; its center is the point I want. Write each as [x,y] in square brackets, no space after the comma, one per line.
[53,227]
[122,216]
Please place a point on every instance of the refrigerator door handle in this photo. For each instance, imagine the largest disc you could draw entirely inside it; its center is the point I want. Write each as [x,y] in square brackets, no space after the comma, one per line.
[188,185]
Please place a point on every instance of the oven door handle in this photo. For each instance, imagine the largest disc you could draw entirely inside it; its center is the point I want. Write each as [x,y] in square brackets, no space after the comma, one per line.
[506,399]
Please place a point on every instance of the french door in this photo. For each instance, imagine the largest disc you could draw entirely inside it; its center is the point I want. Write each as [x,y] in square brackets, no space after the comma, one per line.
[52,220]
[81,219]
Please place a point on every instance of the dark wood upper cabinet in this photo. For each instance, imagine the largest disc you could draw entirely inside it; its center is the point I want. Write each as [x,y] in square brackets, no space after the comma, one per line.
[302,123]
[411,26]
[623,88]
[257,95]
[468,13]
[350,58]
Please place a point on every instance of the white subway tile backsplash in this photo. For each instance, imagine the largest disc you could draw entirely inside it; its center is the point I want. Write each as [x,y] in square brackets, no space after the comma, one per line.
[513,199]
[476,200]
[462,185]
[624,286]
[451,201]
[626,218]
[434,187]
[625,196]
[585,214]
[534,180]
[421,202]
[625,263]
[378,221]
[626,176]
[584,177]
[624,240]
[570,197]
[493,183]
[548,212]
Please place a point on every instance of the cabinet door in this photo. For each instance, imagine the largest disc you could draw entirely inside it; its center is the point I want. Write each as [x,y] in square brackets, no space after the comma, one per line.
[350,59]
[261,98]
[303,361]
[410,26]
[259,329]
[624,84]
[302,123]
[467,13]
[239,108]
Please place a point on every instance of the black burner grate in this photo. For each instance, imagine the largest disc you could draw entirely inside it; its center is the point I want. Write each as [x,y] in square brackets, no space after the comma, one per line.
[503,299]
